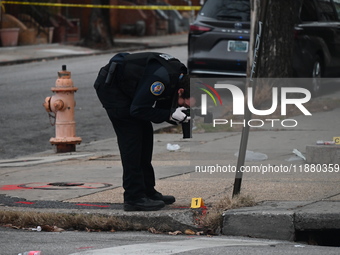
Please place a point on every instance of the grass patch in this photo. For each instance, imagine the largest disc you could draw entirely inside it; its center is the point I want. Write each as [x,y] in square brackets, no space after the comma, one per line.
[213,219]
[65,221]
[211,222]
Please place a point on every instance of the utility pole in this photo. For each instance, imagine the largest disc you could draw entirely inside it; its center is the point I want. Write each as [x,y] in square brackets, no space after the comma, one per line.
[257,6]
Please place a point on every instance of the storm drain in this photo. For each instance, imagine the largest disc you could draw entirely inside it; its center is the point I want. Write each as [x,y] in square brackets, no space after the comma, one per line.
[327,237]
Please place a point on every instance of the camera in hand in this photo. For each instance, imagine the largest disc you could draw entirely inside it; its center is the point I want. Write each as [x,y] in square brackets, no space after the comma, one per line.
[187,126]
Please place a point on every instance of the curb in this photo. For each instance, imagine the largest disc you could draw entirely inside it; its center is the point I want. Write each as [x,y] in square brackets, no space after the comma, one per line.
[161,221]
[166,221]
[323,154]
[282,220]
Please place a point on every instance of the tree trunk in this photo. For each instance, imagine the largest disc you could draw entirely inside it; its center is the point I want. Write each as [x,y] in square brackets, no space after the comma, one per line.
[278,39]
[99,35]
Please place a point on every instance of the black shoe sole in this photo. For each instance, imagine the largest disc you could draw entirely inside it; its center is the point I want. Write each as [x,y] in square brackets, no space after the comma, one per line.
[130,208]
[169,202]
[166,201]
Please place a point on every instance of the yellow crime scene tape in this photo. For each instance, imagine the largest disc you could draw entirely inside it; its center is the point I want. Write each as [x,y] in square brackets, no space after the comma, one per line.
[134,7]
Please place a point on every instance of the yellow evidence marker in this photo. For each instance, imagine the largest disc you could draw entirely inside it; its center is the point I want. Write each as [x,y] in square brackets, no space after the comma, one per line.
[197,202]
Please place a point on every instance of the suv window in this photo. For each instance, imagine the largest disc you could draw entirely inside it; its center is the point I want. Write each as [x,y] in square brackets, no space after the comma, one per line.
[308,11]
[337,7]
[232,10]
[327,12]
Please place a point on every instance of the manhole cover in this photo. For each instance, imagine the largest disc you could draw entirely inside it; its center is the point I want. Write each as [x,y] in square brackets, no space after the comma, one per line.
[64,185]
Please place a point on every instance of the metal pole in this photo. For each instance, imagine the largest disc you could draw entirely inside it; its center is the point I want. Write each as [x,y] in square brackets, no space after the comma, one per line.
[0,12]
[250,83]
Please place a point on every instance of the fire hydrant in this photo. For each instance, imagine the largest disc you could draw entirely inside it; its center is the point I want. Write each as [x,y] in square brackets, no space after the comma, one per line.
[62,104]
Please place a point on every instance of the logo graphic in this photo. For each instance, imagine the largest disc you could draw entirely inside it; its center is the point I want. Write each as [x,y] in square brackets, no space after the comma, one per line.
[211,92]
[281,98]
[157,88]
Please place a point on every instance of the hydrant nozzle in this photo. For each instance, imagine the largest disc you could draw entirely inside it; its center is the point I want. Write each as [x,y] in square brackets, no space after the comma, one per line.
[62,103]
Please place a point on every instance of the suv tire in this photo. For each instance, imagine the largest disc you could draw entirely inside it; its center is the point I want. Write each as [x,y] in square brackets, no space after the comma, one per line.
[316,87]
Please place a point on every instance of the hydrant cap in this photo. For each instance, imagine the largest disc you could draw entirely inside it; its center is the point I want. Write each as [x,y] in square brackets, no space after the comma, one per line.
[47,105]
[58,105]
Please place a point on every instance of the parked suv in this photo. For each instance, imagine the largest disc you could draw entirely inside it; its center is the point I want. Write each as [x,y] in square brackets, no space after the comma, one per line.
[317,41]
[219,39]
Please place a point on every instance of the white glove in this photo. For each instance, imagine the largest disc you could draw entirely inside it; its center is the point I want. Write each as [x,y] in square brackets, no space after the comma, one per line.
[179,116]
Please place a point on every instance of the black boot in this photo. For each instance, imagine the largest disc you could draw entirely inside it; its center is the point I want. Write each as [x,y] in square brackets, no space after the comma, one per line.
[143,204]
[166,199]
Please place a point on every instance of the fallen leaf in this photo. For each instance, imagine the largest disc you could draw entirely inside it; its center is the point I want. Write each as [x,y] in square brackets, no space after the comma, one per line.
[47,228]
[56,229]
[199,233]
[175,233]
[92,230]
[189,232]
[154,231]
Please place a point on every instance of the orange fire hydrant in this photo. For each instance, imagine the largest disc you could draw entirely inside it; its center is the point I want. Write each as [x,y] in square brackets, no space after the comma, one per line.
[62,104]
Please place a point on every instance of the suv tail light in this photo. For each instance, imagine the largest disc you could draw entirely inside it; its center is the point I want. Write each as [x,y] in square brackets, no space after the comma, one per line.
[297,32]
[199,29]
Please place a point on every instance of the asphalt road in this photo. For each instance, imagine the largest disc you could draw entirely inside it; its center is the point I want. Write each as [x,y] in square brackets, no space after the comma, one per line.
[25,125]
[104,243]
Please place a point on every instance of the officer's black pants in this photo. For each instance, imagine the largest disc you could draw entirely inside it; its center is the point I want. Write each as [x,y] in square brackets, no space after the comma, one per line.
[135,141]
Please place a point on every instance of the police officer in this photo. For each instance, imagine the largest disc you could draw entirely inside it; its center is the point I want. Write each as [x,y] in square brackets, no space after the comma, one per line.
[136,90]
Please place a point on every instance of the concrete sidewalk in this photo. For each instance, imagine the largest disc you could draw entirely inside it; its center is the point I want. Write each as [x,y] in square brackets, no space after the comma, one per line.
[42,52]
[291,196]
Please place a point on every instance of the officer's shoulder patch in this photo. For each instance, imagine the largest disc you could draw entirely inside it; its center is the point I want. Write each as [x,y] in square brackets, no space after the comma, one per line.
[157,88]
[166,56]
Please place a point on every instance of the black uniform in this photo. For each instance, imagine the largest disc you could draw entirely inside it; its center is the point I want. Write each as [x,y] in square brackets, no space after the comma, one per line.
[143,89]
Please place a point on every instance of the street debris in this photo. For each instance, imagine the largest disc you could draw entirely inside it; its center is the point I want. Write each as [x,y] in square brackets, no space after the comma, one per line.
[299,154]
[30,253]
[172,147]
[320,142]
[46,228]
[38,229]
[178,232]
[189,232]
[154,231]
[175,233]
